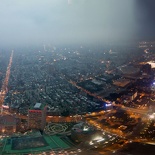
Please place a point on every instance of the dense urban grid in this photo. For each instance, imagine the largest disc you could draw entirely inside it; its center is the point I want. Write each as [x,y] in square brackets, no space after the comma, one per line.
[70,100]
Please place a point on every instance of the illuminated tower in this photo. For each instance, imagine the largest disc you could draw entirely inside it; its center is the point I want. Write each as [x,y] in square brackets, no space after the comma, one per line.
[37,116]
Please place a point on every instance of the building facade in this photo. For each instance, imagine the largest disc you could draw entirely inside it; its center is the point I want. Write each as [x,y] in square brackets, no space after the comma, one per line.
[37,116]
[7,124]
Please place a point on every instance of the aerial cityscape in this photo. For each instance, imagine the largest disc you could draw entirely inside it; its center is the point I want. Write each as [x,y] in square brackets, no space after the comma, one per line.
[77,82]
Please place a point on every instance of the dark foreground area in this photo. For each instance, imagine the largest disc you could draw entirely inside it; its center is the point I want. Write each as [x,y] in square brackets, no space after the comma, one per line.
[137,149]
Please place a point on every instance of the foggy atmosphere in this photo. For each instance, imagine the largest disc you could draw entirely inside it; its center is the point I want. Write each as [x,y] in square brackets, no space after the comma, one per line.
[77,77]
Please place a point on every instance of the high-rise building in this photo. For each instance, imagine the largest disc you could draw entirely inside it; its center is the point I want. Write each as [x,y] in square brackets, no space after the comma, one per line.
[37,116]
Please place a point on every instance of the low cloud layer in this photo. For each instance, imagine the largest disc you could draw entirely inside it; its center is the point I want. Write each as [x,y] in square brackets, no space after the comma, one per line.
[66,21]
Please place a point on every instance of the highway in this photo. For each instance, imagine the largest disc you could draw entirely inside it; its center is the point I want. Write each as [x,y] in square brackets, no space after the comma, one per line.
[135,110]
[5,82]
[84,90]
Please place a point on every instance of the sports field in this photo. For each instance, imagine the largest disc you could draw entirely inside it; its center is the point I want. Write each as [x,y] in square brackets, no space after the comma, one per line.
[26,144]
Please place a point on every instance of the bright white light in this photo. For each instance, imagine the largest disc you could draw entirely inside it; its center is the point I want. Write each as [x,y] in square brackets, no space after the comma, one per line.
[85,128]
[108,105]
[5,106]
[91,143]
[151,116]
[100,140]
[109,136]
[152,64]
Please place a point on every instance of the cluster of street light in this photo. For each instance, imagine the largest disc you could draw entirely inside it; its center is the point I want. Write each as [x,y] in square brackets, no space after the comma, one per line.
[5,82]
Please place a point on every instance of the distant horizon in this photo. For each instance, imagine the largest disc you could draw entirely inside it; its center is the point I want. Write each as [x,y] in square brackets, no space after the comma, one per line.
[67,45]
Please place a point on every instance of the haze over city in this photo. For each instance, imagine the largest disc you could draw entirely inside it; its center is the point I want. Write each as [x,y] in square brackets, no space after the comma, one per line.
[75,21]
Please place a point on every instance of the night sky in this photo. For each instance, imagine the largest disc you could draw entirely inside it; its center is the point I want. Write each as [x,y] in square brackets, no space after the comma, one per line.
[145,14]
[75,21]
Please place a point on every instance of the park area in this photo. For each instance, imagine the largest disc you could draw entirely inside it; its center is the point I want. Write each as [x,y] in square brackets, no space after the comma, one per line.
[58,128]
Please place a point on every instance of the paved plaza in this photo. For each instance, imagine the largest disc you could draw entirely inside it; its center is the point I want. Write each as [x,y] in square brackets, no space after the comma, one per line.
[55,128]
[25,144]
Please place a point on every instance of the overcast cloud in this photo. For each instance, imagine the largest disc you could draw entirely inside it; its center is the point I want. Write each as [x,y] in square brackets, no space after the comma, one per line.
[66,21]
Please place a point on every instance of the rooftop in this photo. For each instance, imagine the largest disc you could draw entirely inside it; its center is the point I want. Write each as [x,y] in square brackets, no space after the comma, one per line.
[38,106]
